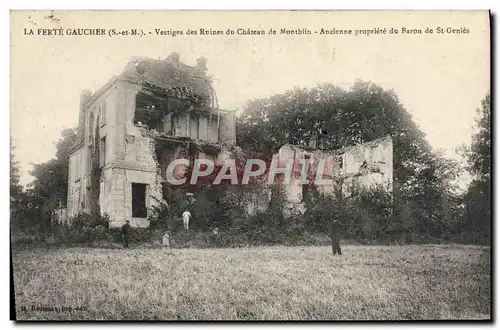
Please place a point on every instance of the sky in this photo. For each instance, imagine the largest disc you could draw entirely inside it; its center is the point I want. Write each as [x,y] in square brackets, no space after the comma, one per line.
[440,78]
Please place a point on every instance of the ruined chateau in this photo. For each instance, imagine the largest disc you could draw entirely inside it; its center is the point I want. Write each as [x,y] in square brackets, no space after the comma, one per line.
[159,110]
[132,127]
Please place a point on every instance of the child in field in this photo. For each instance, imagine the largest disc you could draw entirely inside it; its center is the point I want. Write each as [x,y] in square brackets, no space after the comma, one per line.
[166,241]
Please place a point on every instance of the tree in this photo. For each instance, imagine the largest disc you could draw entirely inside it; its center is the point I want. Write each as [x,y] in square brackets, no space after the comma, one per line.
[479,156]
[15,186]
[340,118]
[49,188]
[478,197]
[16,192]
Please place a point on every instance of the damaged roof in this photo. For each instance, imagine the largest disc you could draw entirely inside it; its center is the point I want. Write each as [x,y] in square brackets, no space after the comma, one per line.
[170,73]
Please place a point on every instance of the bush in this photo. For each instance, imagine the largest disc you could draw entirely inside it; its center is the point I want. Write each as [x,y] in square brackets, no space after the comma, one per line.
[367,216]
[27,238]
[84,228]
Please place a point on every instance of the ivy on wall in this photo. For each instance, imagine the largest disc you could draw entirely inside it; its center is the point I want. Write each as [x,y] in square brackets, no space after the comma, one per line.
[153,103]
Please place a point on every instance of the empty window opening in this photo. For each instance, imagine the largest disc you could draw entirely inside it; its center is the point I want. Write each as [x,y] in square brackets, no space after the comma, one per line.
[139,209]
[103,113]
[102,150]
[91,127]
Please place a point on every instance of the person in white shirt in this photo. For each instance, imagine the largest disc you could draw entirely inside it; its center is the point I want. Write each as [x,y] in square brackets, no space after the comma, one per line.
[186,216]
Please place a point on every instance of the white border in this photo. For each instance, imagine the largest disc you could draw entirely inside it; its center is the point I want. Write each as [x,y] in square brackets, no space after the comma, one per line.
[148,4]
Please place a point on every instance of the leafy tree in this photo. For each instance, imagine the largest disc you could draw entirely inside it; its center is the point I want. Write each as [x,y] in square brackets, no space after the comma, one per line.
[479,156]
[16,192]
[15,186]
[49,188]
[478,197]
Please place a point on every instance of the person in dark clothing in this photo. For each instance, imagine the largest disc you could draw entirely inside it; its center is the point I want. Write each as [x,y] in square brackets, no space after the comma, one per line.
[125,233]
[335,237]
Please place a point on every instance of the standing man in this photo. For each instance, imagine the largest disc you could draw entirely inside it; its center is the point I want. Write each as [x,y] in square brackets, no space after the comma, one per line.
[186,216]
[335,237]
[125,233]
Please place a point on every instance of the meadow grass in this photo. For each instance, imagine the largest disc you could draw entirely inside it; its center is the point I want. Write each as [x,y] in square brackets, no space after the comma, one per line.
[262,283]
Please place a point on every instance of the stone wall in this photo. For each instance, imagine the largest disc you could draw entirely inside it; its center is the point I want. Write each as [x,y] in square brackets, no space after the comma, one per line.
[228,128]
[134,162]
[369,164]
[102,107]
[213,133]
[366,165]
[76,192]
[60,216]
[204,127]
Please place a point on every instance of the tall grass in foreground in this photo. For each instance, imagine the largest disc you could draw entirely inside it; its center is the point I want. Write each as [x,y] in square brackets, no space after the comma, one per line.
[267,283]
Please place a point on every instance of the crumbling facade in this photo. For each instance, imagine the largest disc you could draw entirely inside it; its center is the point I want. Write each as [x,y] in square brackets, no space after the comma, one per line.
[129,131]
[365,165]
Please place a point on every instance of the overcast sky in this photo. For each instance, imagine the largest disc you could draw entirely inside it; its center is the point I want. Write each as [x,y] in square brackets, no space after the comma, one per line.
[440,78]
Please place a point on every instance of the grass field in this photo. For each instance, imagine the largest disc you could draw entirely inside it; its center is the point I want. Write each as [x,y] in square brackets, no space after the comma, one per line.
[267,283]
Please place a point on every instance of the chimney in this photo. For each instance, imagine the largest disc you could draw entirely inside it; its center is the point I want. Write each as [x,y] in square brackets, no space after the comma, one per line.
[174,57]
[201,64]
[85,97]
